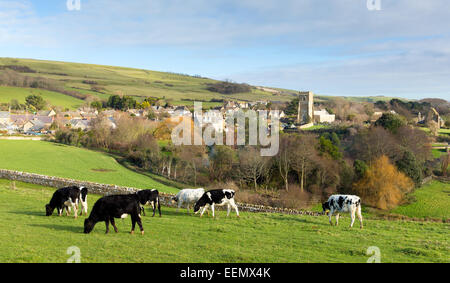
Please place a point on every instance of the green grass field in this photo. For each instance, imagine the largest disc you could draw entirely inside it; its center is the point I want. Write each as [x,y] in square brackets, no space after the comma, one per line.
[26,235]
[59,160]
[53,98]
[431,201]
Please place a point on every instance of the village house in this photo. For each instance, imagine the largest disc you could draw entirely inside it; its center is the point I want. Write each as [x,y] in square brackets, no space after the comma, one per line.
[179,111]
[48,113]
[4,117]
[213,118]
[322,116]
[79,124]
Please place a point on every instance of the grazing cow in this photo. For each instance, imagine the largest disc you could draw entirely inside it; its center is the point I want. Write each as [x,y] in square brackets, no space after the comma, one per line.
[149,197]
[117,206]
[216,197]
[343,203]
[66,198]
[188,197]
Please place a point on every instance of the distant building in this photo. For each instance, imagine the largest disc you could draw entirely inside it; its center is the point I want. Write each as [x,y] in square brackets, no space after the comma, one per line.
[79,124]
[4,117]
[305,107]
[322,116]
[48,113]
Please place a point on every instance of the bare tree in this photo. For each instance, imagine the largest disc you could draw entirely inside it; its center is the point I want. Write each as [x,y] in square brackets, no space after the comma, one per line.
[303,154]
[252,164]
[284,159]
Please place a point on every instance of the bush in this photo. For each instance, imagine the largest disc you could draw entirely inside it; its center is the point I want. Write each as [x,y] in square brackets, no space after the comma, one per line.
[229,88]
[360,168]
[36,101]
[411,167]
[383,186]
[390,122]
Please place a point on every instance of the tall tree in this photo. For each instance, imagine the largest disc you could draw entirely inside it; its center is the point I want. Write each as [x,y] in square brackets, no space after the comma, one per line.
[303,154]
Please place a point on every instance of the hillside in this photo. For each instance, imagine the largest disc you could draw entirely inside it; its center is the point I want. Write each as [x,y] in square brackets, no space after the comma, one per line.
[71,162]
[108,80]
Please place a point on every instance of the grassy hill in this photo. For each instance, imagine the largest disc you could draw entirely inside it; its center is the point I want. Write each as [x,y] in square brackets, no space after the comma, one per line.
[135,82]
[26,235]
[71,162]
[53,98]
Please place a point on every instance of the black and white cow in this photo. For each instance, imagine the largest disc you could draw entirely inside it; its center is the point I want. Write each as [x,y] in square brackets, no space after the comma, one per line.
[67,198]
[216,198]
[149,197]
[116,206]
[343,203]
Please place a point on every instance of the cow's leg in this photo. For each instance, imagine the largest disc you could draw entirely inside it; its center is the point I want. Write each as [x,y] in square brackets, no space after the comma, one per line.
[154,208]
[358,211]
[329,217]
[179,205]
[337,219]
[133,223]
[203,210]
[228,210]
[159,206]
[212,209]
[233,204]
[84,207]
[136,218]
[188,209]
[353,217]
[67,210]
[75,208]
[113,223]
[107,225]
[142,210]
[60,210]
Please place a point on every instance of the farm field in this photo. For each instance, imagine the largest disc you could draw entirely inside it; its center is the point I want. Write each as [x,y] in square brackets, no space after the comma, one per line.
[59,160]
[431,201]
[26,235]
[53,98]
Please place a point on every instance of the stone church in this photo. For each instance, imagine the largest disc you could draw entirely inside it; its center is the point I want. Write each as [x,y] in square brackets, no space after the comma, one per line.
[305,107]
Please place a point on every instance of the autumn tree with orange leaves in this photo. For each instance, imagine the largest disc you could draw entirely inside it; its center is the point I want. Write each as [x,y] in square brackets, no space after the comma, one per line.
[383,186]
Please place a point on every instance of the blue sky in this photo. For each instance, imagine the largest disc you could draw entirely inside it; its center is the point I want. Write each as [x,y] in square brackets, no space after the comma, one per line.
[332,47]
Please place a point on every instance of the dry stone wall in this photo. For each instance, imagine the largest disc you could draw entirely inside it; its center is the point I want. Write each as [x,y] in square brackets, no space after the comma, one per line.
[104,189]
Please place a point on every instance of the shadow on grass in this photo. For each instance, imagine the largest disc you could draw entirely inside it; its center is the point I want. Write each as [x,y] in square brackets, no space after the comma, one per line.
[29,213]
[70,228]
[315,220]
[149,213]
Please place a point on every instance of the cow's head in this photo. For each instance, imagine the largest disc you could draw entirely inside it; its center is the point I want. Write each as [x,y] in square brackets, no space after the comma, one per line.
[174,200]
[48,210]
[88,225]
[325,206]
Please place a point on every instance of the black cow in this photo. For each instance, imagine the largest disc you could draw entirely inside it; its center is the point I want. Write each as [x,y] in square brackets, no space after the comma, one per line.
[216,197]
[149,197]
[116,206]
[65,198]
